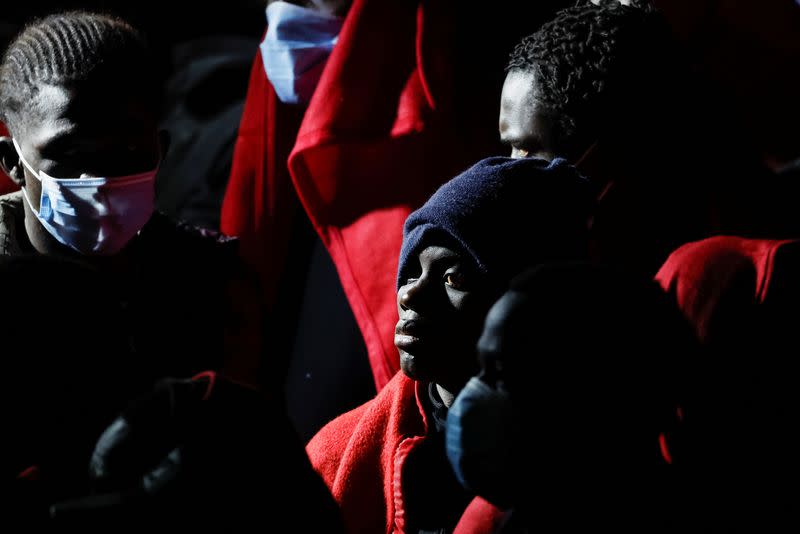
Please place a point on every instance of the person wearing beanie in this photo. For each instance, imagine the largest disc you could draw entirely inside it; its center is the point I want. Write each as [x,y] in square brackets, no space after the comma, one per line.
[384,462]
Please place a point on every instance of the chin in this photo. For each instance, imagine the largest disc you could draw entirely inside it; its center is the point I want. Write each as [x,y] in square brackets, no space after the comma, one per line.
[410,367]
[408,364]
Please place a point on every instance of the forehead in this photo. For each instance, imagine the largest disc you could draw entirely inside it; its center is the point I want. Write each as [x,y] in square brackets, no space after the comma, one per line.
[522,111]
[46,115]
[89,113]
[437,253]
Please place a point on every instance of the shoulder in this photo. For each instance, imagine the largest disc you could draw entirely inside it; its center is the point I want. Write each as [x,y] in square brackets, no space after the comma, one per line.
[11,203]
[717,259]
[165,238]
[368,426]
[161,225]
[12,218]
[716,280]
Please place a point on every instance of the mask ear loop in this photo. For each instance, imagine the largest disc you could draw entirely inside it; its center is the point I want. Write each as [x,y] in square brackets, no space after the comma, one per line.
[35,175]
[24,161]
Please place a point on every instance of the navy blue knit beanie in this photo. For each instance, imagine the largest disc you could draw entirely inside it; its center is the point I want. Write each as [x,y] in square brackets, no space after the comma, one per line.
[506,214]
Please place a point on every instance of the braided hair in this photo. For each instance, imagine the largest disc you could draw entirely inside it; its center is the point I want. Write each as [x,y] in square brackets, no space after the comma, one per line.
[65,49]
[590,59]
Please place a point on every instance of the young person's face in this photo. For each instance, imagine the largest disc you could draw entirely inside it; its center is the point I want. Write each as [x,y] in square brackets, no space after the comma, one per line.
[70,132]
[80,131]
[441,310]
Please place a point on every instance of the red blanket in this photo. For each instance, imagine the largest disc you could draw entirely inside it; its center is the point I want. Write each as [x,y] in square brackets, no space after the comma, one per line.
[716,280]
[375,141]
[359,455]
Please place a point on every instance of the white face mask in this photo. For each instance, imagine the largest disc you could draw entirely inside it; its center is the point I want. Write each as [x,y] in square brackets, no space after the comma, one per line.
[94,216]
[296,49]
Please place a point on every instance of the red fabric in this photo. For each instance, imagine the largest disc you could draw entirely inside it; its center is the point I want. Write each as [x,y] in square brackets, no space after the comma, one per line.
[702,274]
[211,378]
[357,455]
[374,144]
[6,185]
[481,516]
[361,456]
[260,204]
[32,474]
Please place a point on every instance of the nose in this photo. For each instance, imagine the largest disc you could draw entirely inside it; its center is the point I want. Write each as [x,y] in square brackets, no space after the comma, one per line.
[408,297]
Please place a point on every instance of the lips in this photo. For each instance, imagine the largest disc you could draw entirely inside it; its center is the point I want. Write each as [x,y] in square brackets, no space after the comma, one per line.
[409,334]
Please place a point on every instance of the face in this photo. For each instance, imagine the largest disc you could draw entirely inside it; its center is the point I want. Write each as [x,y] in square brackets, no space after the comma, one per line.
[526,125]
[441,309]
[74,132]
[495,345]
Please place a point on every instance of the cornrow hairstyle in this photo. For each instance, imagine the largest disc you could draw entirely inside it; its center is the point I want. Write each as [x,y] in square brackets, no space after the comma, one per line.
[590,59]
[71,48]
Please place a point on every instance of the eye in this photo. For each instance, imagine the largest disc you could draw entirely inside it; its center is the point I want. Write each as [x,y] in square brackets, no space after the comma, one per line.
[455,280]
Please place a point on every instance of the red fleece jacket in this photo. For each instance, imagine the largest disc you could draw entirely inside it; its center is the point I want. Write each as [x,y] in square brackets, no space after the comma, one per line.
[361,456]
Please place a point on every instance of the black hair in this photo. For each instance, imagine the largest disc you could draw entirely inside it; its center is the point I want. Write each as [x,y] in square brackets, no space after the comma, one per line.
[71,48]
[589,58]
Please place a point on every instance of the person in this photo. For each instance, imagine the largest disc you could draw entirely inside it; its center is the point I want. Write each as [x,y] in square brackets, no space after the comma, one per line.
[572,421]
[606,87]
[384,462]
[740,295]
[85,149]
[68,371]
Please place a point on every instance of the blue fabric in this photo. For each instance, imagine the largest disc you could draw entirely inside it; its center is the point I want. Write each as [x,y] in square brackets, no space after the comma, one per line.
[506,214]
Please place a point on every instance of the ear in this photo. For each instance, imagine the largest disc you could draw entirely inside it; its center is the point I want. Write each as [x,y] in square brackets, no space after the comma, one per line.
[10,162]
[164,140]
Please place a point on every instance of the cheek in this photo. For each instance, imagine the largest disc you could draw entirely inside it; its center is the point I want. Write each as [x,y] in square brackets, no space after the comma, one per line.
[34,190]
[470,311]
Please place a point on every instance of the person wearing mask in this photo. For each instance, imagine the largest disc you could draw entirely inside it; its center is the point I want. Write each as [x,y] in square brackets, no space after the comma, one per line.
[84,148]
[572,420]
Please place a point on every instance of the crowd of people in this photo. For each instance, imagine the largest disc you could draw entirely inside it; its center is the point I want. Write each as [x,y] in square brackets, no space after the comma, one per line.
[355,311]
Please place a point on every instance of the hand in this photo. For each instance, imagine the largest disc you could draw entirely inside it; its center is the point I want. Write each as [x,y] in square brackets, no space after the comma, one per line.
[200,452]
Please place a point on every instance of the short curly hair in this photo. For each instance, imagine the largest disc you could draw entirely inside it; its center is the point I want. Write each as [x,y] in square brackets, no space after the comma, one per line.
[590,58]
[69,48]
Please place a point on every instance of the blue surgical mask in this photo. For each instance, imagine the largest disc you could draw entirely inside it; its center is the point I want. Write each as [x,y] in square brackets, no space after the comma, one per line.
[95,215]
[479,437]
[296,49]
